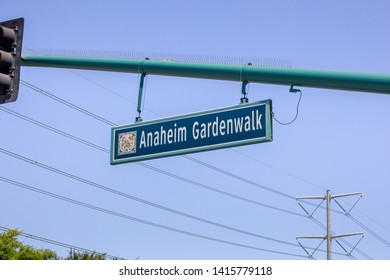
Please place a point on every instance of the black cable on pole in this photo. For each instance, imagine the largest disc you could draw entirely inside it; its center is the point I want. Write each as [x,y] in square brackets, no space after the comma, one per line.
[297,110]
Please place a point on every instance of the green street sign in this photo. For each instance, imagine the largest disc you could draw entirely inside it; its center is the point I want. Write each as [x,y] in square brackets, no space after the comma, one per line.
[243,124]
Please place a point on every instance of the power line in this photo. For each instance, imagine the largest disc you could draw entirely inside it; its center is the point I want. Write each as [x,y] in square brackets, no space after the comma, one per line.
[377,236]
[173,175]
[55,130]
[66,103]
[127,217]
[101,86]
[278,169]
[61,244]
[179,177]
[371,219]
[240,178]
[342,239]
[111,91]
[212,167]
[158,170]
[140,200]
[305,181]
[75,138]
[195,183]
[157,205]
[189,157]
[250,182]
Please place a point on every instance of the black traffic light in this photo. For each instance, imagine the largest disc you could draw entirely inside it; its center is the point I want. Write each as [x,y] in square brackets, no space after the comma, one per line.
[11,36]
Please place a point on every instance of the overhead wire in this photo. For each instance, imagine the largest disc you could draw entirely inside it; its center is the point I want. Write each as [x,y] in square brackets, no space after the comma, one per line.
[151,168]
[343,240]
[101,86]
[55,130]
[187,157]
[278,169]
[237,177]
[228,194]
[140,200]
[138,220]
[82,141]
[144,165]
[75,138]
[305,181]
[373,233]
[69,104]
[37,89]
[228,174]
[158,170]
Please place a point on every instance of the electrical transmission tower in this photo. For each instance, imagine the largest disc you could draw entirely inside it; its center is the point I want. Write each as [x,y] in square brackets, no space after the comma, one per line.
[329,237]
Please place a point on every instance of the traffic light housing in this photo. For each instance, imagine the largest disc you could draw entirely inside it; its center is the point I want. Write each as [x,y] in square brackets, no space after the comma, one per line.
[11,37]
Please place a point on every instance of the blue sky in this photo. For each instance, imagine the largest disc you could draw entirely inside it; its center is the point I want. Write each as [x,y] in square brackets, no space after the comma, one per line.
[340,140]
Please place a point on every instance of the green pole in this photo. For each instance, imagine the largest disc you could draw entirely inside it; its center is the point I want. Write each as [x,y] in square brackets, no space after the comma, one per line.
[337,80]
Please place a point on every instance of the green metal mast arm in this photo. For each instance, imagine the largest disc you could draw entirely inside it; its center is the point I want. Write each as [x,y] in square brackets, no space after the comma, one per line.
[351,81]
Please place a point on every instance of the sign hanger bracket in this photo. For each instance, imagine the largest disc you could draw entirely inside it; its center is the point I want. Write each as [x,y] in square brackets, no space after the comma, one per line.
[244,98]
[140,92]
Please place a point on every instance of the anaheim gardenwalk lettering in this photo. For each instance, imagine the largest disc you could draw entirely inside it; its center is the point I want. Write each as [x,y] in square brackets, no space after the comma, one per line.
[201,130]
[214,129]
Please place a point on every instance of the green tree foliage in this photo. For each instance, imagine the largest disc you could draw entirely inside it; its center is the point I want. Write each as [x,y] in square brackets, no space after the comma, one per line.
[12,249]
[74,255]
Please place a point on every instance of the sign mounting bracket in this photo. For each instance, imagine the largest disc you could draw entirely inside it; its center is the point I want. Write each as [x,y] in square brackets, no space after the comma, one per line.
[140,92]
[244,98]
